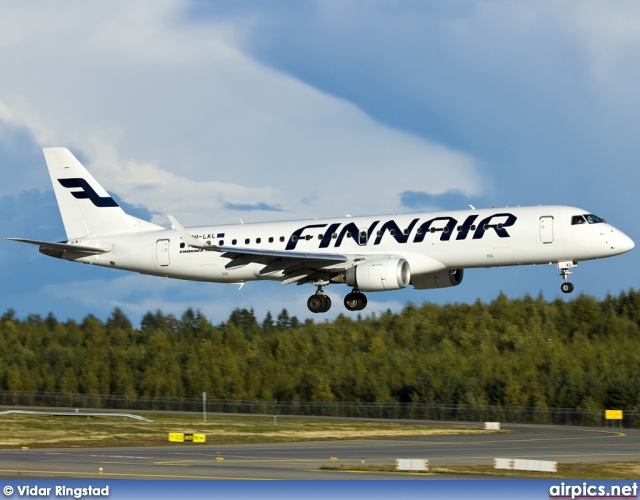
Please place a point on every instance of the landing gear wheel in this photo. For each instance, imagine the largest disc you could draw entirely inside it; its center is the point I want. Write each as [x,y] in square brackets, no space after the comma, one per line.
[567,287]
[319,302]
[327,303]
[355,301]
[315,303]
[351,302]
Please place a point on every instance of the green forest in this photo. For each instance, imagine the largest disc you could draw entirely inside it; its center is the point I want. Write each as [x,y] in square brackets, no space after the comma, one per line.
[582,353]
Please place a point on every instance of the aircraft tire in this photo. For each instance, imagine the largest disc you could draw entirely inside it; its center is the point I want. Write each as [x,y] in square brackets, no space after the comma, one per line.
[567,287]
[362,301]
[351,301]
[316,304]
[326,303]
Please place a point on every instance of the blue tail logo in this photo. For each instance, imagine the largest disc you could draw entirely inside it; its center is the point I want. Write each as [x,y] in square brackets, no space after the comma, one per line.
[87,192]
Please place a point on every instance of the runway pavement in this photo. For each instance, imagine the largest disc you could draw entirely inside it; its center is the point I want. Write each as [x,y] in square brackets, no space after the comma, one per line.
[303,460]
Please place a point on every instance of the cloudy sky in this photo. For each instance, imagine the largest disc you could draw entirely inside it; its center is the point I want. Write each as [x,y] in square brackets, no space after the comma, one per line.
[215,111]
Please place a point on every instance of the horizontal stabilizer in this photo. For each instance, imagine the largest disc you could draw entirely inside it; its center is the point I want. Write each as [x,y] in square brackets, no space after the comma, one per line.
[63,246]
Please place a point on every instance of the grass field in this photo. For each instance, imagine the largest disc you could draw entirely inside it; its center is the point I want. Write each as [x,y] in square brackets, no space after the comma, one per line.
[38,431]
[44,431]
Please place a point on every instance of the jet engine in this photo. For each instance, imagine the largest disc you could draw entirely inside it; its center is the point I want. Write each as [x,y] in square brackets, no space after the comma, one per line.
[441,279]
[379,275]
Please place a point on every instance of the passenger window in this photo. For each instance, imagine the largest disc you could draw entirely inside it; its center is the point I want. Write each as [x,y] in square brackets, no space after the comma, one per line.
[270,239]
[281,239]
[220,243]
[247,241]
[234,242]
[258,240]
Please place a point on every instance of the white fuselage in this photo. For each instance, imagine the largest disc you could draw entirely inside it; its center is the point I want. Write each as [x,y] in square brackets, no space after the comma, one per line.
[429,242]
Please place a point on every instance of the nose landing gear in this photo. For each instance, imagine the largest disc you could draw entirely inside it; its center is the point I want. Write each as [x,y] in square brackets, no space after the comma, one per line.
[564,267]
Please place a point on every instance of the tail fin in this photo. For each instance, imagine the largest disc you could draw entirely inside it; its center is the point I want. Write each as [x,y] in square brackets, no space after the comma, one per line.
[86,208]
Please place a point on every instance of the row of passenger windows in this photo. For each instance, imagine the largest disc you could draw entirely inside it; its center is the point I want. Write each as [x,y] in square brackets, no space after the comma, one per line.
[363,235]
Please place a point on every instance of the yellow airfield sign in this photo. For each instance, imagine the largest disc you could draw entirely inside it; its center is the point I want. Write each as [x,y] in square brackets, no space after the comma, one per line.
[613,414]
[180,437]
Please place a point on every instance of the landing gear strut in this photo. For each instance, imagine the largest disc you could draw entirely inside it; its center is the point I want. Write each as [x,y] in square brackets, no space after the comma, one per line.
[319,302]
[564,267]
[355,301]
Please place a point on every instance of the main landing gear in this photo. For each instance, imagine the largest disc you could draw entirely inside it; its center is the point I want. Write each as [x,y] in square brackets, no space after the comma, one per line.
[355,301]
[319,302]
[564,267]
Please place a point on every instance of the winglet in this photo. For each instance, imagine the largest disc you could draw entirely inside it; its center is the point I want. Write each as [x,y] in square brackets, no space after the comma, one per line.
[187,238]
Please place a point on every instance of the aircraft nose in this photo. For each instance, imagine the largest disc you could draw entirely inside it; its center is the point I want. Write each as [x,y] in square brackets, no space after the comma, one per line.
[627,243]
[623,243]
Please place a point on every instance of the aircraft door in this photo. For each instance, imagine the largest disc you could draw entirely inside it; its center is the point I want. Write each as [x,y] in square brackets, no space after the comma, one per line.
[162,252]
[546,229]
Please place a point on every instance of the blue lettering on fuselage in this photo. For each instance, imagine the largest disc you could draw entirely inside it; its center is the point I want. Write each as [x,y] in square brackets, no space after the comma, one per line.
[446,226]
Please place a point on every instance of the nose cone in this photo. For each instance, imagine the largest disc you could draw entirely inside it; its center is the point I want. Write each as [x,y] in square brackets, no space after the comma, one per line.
[621,243]
[626,243]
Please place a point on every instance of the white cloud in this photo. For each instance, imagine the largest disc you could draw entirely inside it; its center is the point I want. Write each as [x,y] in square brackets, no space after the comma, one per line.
[175,116]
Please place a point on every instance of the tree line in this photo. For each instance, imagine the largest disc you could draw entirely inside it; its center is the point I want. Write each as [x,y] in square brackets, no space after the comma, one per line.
[582,353]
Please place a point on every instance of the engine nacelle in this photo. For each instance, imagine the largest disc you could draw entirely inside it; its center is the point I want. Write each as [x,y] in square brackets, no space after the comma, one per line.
[379,275]
[441,279]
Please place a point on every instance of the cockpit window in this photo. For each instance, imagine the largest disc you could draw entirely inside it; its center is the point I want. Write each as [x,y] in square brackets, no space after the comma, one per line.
[594,219]
[577,219]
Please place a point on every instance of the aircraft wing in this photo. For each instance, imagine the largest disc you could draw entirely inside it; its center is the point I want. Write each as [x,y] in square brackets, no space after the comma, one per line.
[63,246]
[296,266]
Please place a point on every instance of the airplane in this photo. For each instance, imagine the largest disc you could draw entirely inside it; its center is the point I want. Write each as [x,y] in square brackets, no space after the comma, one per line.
[367,254]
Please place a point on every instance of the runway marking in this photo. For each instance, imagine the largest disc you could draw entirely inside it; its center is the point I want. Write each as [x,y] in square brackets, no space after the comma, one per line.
[388,472]
[70,454]
[268,460]
[114,474]
[96,462]
[502,441]
[520,455]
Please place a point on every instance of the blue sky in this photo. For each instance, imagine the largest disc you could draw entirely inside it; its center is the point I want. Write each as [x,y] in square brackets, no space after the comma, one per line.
[216,111]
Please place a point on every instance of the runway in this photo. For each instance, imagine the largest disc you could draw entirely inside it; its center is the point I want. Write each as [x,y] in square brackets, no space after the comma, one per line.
[303,460]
